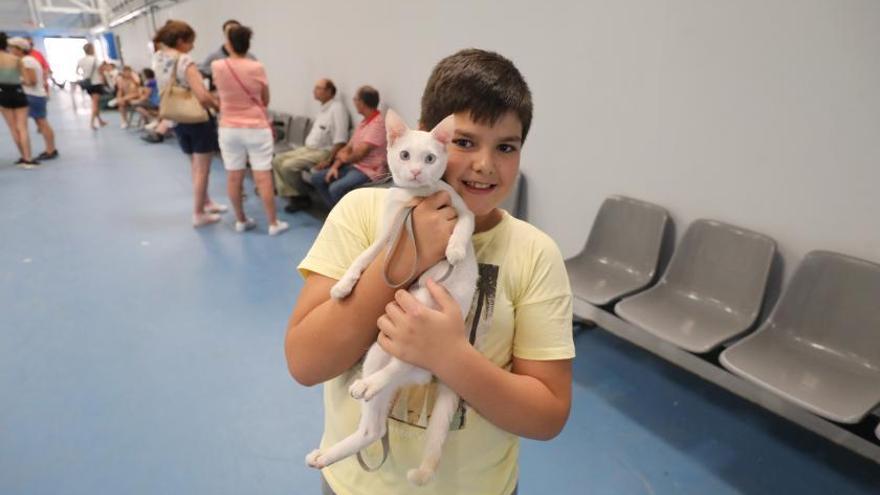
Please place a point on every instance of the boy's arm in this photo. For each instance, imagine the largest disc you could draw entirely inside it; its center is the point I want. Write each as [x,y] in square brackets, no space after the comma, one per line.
[326,337]
[532,400]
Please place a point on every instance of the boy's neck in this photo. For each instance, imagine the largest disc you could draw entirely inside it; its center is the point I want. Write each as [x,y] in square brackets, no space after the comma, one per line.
[485,222]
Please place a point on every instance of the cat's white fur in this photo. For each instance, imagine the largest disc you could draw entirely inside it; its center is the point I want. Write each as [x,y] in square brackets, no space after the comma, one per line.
[383,374]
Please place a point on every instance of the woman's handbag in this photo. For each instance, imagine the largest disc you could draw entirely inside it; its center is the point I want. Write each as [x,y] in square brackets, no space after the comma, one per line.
[179,104]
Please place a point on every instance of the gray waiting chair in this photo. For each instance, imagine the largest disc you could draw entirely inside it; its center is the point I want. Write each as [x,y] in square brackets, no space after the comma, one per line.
[820,347]
[296,134]
[711,292]
[621,253]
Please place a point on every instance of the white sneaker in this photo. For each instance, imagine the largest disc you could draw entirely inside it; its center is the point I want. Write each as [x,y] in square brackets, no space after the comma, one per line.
[215,208]
[248,224]
[152,125]
[123,125]
[278,227]
[205,219]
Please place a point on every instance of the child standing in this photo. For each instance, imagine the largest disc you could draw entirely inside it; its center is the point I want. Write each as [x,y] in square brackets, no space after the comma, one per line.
[509,359]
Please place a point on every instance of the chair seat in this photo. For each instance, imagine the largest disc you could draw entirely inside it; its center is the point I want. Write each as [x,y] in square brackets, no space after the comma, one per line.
[601,283]
[691,324]
[826,383]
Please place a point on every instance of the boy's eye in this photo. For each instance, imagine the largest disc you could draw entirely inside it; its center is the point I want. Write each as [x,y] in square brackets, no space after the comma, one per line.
[463,143]
[404,155]
[430,158]
[506,148]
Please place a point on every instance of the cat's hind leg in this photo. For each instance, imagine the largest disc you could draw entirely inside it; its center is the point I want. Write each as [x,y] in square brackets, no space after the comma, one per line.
[435,435]
[395,374]
[372,427]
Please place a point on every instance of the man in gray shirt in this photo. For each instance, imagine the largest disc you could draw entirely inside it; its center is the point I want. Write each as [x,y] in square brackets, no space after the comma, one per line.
[220,53]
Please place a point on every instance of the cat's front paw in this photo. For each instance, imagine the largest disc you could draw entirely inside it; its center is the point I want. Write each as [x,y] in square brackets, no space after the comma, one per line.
[343,288]
[419,477]
[363,389]
[454,253]
[314,459]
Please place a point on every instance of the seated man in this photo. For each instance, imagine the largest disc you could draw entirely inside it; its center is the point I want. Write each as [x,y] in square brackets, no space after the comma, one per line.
[328,135]
[363,159]
[128,90]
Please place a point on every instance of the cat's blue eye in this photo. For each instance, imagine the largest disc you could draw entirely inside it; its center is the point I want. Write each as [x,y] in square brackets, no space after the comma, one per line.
[463,143]
[404,155]
[430,158]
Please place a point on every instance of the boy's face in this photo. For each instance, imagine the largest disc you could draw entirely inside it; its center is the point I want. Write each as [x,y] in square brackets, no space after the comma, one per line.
[483,162]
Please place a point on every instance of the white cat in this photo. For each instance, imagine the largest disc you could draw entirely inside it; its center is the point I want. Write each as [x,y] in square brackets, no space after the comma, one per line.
[417,160]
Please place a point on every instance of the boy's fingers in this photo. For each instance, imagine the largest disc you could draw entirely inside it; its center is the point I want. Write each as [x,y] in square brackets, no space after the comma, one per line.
[393,311]
[441,295]
[407,302]
[438,200]
[385,325]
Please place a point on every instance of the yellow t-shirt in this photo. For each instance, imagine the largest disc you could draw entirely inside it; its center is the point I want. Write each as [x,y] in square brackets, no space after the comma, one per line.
[523,301]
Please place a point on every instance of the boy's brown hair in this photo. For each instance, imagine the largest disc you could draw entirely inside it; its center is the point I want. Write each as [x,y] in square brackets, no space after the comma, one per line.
[482,82]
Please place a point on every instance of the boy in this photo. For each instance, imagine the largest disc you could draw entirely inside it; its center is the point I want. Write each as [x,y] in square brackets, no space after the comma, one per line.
[509,360]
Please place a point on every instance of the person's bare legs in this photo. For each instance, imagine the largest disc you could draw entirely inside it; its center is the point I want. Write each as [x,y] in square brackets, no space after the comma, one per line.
[9,117]
[123,110]
[48,134]
[21,115]
[201,167]
[96,112]
[234,182]
[266,188]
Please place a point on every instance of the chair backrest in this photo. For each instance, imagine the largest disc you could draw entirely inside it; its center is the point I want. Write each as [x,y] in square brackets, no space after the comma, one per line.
[628,233]
[281,121]
[833,301]
[299,129]
[724,264]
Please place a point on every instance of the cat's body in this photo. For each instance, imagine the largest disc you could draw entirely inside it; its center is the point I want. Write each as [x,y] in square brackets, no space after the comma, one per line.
[416,174]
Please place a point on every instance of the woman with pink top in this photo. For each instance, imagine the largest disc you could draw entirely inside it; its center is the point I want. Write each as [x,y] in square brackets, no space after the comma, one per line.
[245,130]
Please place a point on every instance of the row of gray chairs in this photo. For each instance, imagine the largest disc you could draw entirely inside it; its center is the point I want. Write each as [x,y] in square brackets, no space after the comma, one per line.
[820,346]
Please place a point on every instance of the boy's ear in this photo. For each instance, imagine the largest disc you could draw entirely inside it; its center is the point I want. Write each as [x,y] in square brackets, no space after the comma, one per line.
[394,126]
[443,131]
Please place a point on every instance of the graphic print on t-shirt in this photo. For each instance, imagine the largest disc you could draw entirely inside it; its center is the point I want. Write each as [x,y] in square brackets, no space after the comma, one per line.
[413,405]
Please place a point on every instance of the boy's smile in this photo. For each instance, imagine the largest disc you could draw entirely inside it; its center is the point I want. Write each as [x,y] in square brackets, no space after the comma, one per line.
[483,163]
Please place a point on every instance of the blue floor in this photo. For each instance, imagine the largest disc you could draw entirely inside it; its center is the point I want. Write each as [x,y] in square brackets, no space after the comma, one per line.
[141,356]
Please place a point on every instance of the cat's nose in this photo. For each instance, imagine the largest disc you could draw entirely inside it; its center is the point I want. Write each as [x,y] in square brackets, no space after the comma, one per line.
[415,173]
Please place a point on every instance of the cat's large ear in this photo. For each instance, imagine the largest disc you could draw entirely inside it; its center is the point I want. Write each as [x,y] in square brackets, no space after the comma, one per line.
[443,131]
[394,126]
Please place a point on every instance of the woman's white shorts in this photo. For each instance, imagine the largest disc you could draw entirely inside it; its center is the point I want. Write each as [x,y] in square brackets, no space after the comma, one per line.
[238,145]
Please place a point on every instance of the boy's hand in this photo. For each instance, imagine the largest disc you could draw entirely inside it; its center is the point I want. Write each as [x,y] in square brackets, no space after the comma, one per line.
[433,221]
[419,335]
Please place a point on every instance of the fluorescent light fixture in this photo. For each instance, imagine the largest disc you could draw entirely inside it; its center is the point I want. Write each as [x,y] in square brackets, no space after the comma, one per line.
[127,17]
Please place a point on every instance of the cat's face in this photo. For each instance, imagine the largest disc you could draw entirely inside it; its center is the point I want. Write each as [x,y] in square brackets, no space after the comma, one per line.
[416,158]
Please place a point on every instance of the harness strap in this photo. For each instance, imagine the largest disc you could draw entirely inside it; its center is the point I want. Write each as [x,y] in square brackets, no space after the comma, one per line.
[386,447]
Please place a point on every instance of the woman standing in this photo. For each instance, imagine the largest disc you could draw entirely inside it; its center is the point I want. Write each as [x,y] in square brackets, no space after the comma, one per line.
[93,82]
[14,104]
[171,62]
[245,131]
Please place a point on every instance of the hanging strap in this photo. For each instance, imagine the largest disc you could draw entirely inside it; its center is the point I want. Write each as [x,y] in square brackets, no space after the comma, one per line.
[386,448]
[403,221]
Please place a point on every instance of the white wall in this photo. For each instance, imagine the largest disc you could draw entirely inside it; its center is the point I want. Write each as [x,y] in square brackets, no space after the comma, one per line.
[761,113]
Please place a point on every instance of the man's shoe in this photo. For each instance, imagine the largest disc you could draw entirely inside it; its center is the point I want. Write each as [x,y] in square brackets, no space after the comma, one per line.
[298,203]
